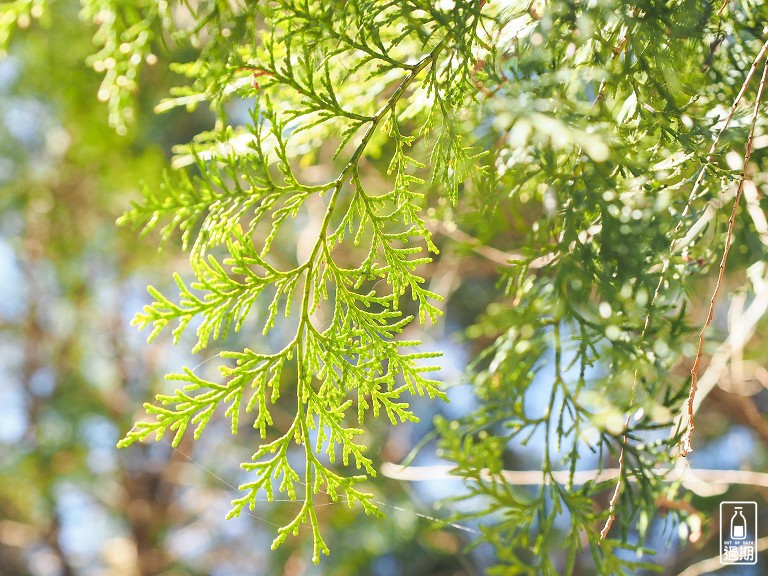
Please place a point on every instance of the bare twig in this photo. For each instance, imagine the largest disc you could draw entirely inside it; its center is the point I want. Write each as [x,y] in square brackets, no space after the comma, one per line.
[619,477]
[686,441]
[735,342]
[691,197]
[711,154]
[726,123]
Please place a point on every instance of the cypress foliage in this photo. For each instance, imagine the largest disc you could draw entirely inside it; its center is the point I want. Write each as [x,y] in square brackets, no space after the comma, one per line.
[593,142]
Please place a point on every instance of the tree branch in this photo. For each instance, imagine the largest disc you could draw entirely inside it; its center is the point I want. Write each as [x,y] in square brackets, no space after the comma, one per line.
[675,245]
[687,448]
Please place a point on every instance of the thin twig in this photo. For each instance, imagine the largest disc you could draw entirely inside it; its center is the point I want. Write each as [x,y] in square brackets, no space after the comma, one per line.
[691,197]
[686,442]
[711,153]
[726,123]
[619,479]
[741,333]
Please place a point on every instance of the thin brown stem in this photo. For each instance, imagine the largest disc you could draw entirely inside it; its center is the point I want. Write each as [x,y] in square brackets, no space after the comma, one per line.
[686,441]
[726,123]
[691,197]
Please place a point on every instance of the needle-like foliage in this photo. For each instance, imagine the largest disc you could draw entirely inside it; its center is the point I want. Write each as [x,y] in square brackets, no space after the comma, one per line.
[316,72]
[590,144]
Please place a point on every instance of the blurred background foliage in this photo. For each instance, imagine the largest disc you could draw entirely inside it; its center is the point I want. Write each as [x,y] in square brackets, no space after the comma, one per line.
[74,371]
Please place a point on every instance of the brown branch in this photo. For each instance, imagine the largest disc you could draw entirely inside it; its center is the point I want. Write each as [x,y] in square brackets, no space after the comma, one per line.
[691,197]
[686,441]
[619,477]
[743,329]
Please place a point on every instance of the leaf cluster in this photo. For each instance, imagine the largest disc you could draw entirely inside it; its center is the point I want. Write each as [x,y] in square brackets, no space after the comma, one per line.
[317,72]
[585,125]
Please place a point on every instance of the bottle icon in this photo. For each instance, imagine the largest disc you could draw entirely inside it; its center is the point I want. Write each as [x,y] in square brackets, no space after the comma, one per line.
[738,525]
